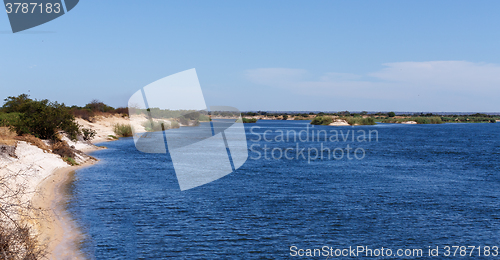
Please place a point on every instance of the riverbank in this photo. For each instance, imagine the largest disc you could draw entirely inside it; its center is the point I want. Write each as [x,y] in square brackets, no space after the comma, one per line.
[56,229]
[35,177]
[38,179]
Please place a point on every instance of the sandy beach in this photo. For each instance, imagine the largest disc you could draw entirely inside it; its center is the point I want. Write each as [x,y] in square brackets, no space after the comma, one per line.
[44,178]
[56,228]
[57,231]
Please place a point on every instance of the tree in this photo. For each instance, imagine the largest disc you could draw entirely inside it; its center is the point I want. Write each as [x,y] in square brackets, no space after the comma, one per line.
[44,119]
[285,117]
[97,105]
[391,114]
[14,104]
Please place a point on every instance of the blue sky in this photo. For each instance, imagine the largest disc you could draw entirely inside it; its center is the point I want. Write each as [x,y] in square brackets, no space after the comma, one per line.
[266,55]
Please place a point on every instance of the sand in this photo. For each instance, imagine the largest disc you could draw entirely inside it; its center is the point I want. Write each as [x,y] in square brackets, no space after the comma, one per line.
[57,231]
[339,122]
[104,126]
[46,175]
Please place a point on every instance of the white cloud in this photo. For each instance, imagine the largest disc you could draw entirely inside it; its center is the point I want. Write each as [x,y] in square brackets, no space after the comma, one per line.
[422,86]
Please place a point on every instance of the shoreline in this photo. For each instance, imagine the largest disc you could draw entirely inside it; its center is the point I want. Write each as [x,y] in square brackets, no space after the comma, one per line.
[56,229]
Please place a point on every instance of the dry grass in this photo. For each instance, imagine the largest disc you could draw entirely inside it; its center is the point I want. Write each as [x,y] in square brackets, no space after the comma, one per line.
[7,136]
[62,148]
[34,141]
[122,130]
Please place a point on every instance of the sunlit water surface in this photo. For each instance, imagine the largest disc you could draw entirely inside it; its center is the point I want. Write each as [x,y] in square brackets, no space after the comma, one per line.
[417,186]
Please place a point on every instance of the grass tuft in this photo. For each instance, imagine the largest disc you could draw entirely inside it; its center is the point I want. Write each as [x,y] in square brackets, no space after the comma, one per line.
[123,130]
[70,161]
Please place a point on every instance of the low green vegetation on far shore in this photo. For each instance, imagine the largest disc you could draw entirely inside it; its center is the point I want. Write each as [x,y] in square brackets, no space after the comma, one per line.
[366,118]
[326,120]
[249,120]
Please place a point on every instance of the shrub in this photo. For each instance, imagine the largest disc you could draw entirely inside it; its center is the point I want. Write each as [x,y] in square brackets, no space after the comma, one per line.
[62,148]
[123,130]
[183,121]
[322,120]
[70,161]
[88,134]
[249,120]
[41,118]
[122,110]
[14,104]
[428,120]
[174,124]
[368,121]
[435,120]
[9,119]
[153,126]
[98,106]
[204,118]
[84,114]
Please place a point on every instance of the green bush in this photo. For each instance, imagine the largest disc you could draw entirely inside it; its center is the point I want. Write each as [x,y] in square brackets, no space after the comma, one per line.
[70,161]
[322,120]
[9,119]
[249,120]
[123,130]
[98,106]
[368,121]
[41,118]
[88,134]
[204,118]
[360,121]
[427,120]
[15,104]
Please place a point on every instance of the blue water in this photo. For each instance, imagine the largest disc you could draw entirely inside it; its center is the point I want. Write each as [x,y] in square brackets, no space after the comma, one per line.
[417,186]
